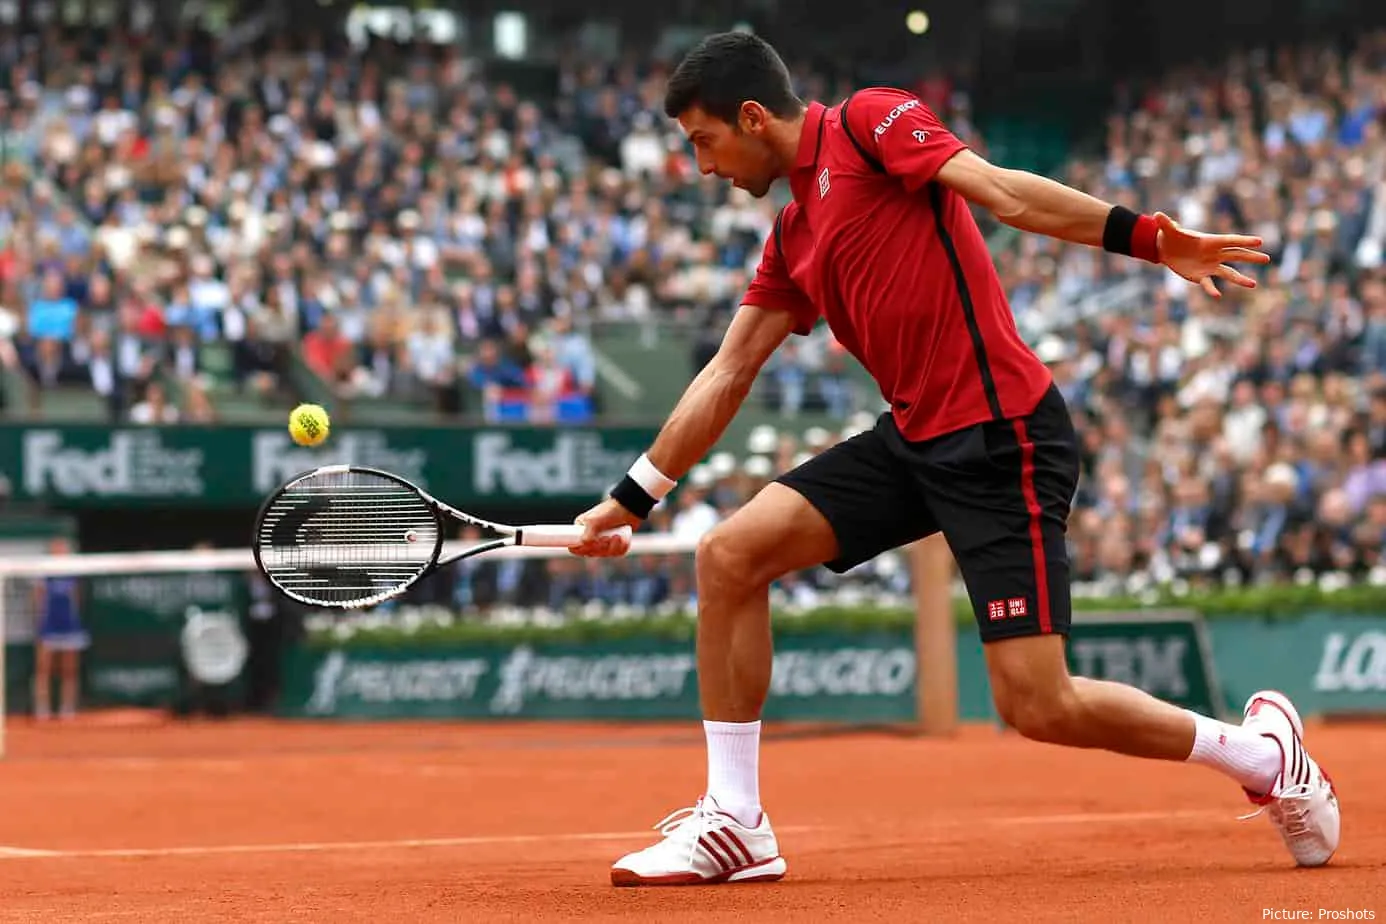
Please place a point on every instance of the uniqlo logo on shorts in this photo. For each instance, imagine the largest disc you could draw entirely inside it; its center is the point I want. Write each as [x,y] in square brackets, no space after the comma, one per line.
[1014,608]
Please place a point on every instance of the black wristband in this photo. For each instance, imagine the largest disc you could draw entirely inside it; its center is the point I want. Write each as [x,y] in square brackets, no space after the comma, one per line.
[1120,228]
[634,498]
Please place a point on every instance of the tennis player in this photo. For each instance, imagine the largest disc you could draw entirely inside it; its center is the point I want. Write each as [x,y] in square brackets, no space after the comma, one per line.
[977,443]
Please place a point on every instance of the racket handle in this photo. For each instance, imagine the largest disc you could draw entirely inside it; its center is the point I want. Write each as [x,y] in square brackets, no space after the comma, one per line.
[563,536]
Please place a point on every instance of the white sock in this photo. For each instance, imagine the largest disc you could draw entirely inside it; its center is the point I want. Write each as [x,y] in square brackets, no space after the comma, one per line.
[733,768]
[1250,758]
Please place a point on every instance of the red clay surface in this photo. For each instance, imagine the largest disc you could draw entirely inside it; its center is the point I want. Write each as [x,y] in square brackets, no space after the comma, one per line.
[269,821]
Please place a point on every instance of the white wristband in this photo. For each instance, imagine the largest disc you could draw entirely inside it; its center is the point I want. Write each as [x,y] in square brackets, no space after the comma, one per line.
[655,482]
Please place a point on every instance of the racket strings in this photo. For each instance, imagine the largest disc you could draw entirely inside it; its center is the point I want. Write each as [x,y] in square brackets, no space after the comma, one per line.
[346,538]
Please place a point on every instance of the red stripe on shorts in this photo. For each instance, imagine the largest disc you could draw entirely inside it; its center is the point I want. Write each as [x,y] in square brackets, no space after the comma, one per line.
[1027,488]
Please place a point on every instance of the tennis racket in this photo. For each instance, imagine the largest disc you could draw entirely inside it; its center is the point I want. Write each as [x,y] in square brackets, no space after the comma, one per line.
[347,536]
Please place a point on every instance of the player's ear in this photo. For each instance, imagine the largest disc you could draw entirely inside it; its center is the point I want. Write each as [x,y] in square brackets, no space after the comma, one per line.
[752,117]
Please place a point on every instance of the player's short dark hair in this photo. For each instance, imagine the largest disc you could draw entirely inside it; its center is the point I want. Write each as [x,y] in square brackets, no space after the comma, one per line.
[723,71]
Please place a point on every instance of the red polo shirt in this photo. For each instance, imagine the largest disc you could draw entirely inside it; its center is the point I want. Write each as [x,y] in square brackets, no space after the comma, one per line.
[895,263]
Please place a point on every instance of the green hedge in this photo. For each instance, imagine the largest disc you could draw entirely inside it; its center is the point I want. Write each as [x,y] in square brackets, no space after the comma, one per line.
[1272,602]
[1265,602]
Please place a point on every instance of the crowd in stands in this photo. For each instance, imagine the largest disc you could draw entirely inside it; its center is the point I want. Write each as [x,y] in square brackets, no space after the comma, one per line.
[407,228]
[1244,438]
[394,219]
[401,226]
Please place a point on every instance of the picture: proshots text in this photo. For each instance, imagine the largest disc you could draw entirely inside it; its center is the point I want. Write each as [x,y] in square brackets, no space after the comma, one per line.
[1318,914]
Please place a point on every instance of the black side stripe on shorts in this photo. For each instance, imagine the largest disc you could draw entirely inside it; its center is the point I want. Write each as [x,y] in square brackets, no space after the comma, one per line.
[974,330]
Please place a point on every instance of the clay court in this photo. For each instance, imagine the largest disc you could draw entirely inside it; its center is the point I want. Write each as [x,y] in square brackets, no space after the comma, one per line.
[267,821]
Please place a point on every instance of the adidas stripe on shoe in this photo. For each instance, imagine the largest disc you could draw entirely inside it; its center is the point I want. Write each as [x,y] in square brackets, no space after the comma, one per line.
[703,845]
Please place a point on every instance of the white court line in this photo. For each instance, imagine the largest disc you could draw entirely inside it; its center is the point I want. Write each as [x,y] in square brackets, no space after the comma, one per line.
[23,853]
[1100,818]
[20,853]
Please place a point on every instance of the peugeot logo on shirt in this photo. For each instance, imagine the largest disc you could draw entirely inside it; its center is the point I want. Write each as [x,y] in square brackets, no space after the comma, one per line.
[893,115]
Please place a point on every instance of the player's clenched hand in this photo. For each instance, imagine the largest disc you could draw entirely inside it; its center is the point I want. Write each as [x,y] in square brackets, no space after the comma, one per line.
[1200,257]
[607,515]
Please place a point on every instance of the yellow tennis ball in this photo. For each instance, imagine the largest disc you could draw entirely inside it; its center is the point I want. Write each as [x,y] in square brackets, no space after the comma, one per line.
[308,424]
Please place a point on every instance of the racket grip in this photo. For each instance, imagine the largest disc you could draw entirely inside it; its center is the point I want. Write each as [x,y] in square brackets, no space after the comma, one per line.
[563,536]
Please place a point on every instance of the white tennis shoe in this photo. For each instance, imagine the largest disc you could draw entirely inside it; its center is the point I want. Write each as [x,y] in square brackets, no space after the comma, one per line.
[1302,804]
[703,845]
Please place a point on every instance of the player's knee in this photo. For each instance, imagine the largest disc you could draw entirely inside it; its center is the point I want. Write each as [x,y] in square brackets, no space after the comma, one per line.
[720,561]
[1041,709]
[1052,719]
[1032,688]
[775,534]
[733,560]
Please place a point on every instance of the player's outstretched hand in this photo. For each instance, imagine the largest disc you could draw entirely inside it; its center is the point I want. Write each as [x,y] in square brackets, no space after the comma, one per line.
[1200,257]
[608,515]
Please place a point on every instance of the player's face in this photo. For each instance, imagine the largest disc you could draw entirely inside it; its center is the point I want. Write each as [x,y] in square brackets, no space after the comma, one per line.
[740,153]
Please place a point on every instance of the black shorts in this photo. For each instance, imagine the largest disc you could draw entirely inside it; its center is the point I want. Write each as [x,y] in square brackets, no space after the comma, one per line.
[999,491]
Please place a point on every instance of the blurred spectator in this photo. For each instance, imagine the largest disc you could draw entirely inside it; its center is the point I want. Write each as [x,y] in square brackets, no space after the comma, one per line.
[328,353]
[53,313]
[573,352]
[154,409]
[431,360]
[695,515]
[491,375]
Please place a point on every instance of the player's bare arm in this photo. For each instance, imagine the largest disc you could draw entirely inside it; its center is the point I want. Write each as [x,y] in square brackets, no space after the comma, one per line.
[717,392]
[1029,202]
[700,416]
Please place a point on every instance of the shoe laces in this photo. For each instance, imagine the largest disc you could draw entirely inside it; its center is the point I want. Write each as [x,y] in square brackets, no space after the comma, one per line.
[685,826]
[1289,809]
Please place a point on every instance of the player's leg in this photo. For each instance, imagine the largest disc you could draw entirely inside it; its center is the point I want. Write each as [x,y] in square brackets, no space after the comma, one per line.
[1009,541]
[840,508]
[776,533]
[1036,695]
[43,680]
[1265,754]
[69,668]
[1005,510]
